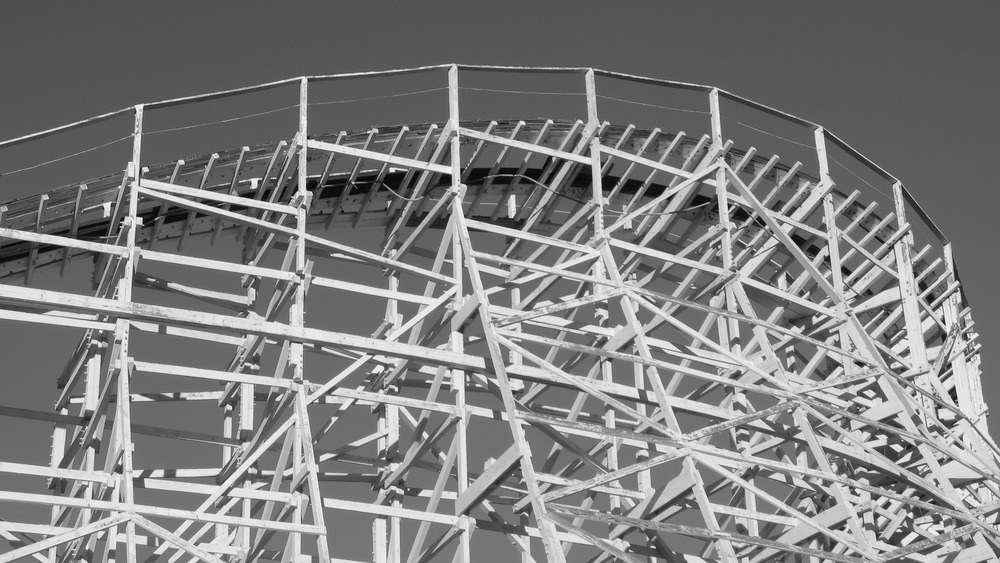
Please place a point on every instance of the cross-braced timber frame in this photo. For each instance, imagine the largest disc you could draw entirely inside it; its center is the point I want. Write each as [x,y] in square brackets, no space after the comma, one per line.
[594,342]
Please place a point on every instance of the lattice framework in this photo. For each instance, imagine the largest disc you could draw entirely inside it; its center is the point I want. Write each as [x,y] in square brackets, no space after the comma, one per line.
[595,342]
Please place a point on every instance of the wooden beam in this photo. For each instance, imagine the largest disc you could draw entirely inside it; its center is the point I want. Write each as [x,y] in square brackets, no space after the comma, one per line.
[378,157]
[495,473]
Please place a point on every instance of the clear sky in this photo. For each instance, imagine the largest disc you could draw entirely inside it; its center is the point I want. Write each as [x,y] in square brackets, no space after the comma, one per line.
[912,84]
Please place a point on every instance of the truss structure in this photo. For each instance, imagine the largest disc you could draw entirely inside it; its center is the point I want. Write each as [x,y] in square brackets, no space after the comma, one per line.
[541,340]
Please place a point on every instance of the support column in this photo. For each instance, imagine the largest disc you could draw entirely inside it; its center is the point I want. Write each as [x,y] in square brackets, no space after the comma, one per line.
[907,286]
[386,529]
[305,456]
[967,384]
[123,415]
[459,379]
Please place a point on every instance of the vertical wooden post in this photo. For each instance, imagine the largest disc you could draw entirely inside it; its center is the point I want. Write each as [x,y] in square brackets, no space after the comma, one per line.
[57,451]
[124,358]
[833,241]
[907,285]
[386,529]
[968,387]
[599,269]
[392,425]
[459,381]
[593,122]
[716,111]
[728,327]
[302,270]
[459,378]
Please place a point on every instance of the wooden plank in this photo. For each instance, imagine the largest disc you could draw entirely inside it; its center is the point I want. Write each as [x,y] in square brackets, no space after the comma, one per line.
[25,528]
[217,265]
[189,220]
[508,193]
[313,240]
[381,510]
[54,319]
[237,168]
[378,157]
[680,184]
[349,184]
[496,472]
[700,532]
[65,537]
[220,298]
[522,145]
[65,242]
[351,287]
[523,235]
[652,164]
[154,186]
[158,511]
[260,187]
[74,224]
[211,375]
[612,476]
[783,237]
[461,235]
[45,471]
[181,543]
[161,215]
[596,541]
[181,317]
[378,183]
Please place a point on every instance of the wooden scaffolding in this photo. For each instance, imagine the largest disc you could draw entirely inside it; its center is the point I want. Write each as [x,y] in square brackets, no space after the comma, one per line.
[567,340]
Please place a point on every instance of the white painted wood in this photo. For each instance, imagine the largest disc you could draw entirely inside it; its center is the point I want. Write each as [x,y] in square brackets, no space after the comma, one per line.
[677,334]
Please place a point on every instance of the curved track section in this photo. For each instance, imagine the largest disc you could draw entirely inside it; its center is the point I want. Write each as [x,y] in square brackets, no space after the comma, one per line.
[544,340]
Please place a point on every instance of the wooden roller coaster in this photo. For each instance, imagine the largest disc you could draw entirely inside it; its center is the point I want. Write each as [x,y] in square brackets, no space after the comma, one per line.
[510,340]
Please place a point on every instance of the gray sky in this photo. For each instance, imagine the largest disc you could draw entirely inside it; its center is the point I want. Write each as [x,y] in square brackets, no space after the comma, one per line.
[913,85]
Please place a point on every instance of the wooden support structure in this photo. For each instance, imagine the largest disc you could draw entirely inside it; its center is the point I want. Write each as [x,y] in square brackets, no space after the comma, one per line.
[593,341]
